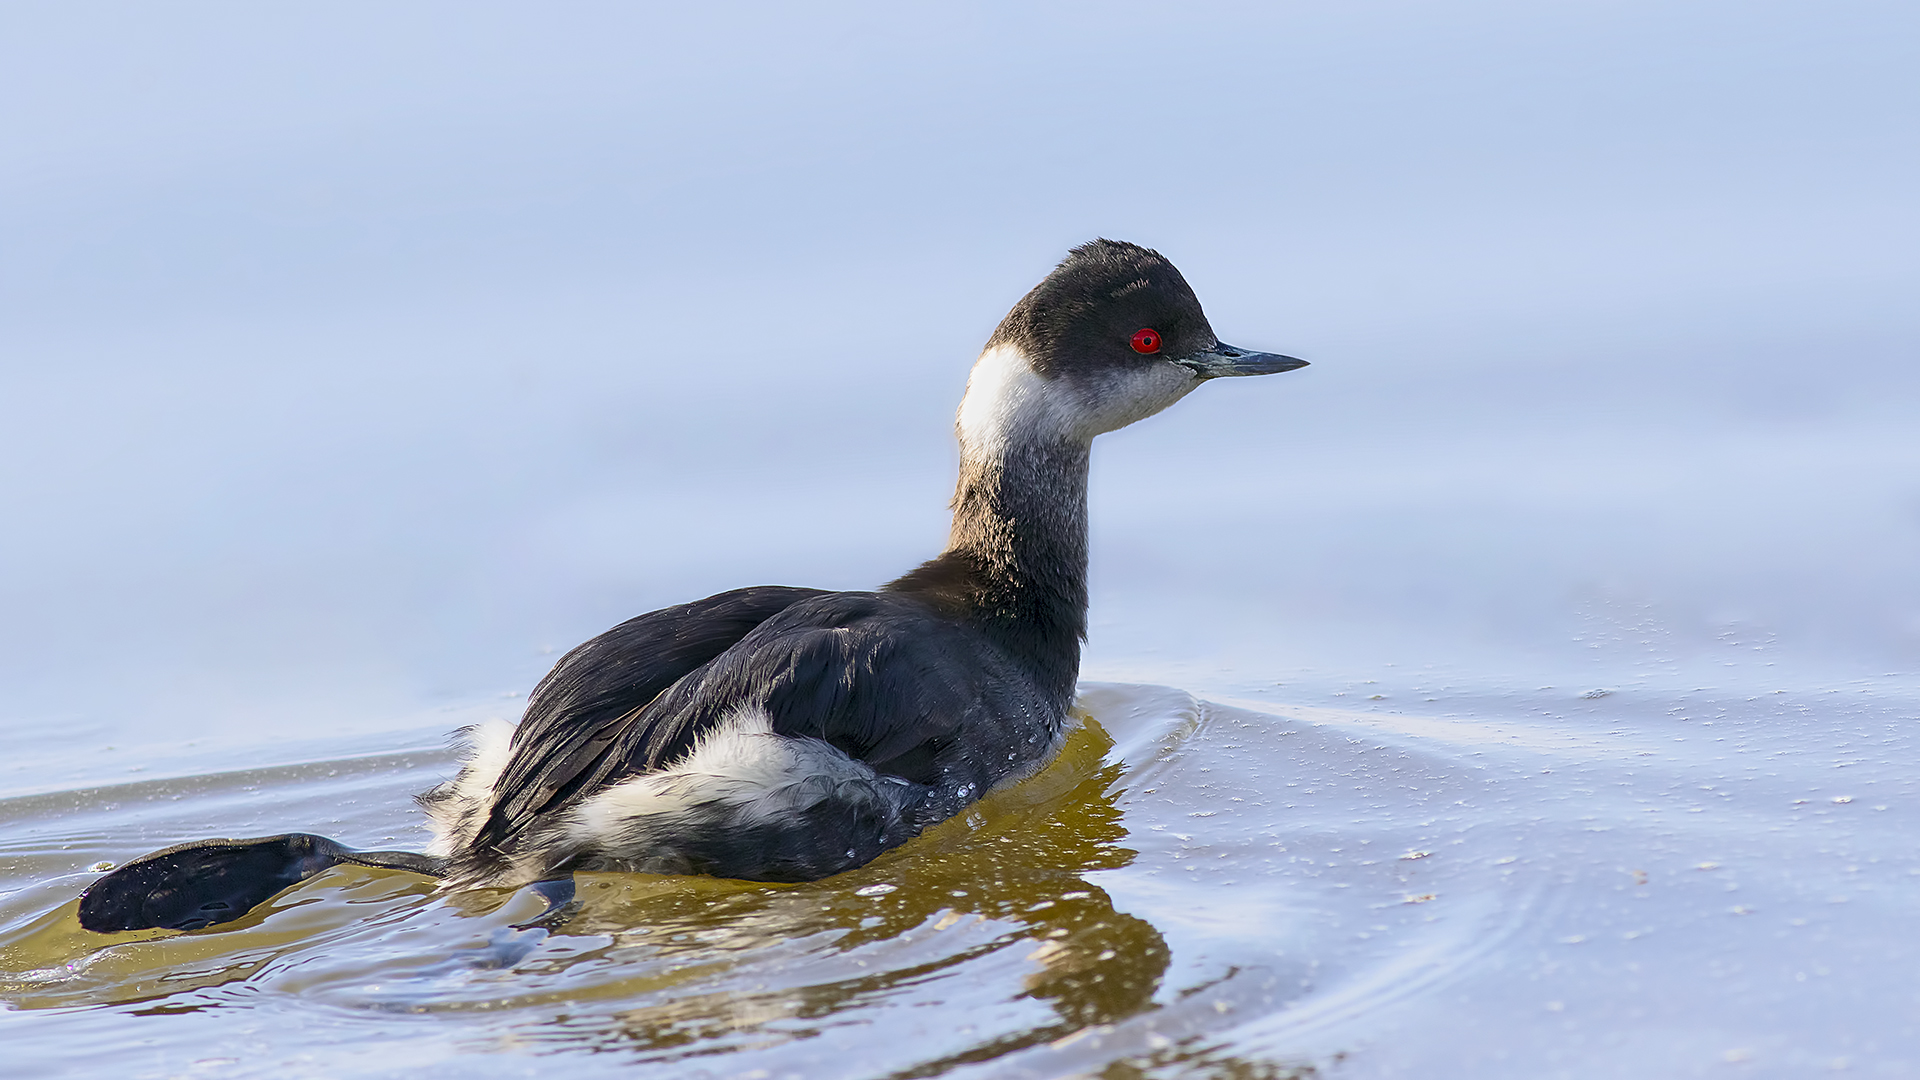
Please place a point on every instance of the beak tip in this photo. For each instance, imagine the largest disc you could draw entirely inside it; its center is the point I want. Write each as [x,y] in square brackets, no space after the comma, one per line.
[1227,360]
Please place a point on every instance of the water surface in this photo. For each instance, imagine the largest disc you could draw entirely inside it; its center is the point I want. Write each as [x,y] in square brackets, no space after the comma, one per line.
[1194,888]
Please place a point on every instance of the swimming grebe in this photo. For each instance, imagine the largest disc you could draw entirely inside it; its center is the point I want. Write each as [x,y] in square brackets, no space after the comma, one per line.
[786,734]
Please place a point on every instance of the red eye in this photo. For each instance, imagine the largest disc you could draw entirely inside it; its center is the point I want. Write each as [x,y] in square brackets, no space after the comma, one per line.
[1146,340]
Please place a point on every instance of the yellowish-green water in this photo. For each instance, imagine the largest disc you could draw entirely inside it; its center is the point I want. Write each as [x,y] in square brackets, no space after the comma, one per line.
[1120,912]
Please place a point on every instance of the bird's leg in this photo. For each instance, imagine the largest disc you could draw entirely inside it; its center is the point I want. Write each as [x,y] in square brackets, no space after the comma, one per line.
[209,882]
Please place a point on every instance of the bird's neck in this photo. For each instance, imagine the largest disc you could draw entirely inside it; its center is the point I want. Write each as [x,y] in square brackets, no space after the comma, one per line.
[1015,564]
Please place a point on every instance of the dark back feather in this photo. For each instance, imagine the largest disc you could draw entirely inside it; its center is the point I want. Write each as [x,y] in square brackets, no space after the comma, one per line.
[576,713]
[883,677]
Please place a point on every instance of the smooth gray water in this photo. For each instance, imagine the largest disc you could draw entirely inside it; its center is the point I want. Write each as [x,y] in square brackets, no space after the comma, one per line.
[354,362]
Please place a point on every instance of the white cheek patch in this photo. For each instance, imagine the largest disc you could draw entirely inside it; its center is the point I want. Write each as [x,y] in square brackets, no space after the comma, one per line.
[1008,402]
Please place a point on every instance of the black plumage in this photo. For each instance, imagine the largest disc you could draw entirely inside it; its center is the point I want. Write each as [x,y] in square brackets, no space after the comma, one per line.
[930,703]
[594,695]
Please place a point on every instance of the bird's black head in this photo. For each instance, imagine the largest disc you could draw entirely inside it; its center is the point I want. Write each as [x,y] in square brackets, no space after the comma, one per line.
[1107,303]
[1114,334]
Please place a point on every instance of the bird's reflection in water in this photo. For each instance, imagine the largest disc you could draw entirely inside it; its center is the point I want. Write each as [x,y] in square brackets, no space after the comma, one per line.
[988,927]
[991,911]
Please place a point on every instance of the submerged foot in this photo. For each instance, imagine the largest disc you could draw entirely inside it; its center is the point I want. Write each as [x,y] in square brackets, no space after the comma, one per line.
[562,904]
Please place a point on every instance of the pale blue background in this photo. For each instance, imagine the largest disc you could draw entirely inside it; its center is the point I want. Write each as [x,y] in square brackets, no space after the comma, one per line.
[354,357]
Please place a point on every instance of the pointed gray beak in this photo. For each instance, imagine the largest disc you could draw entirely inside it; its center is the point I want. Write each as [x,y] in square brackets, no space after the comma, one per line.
[1224,359]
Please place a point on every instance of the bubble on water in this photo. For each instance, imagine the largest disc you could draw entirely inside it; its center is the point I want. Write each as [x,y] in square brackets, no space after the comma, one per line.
[875,890]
